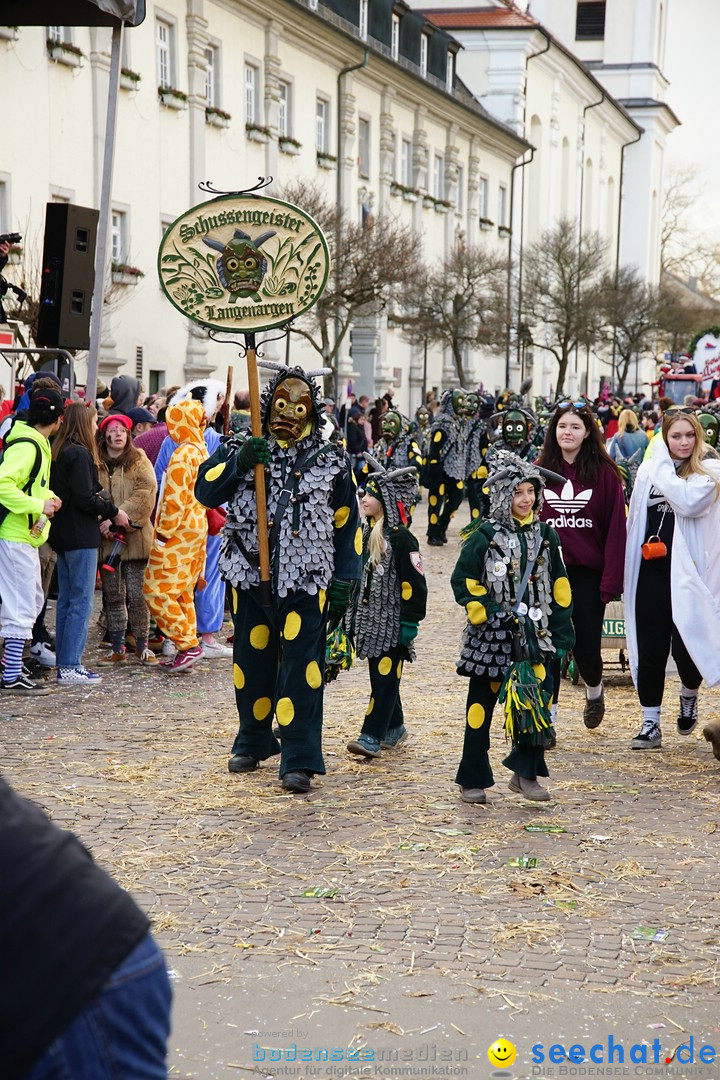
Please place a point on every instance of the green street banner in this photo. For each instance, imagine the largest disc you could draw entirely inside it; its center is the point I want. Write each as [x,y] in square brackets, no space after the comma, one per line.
[243,263]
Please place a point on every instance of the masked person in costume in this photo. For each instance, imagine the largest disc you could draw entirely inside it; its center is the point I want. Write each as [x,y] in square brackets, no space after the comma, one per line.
[477,443]
[516,428]
[389,605]
[397,448]
[315,556]
[710,423]
[511,580]
[444,475]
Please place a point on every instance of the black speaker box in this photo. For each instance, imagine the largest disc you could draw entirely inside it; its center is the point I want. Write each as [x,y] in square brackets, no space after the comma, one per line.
[68,276]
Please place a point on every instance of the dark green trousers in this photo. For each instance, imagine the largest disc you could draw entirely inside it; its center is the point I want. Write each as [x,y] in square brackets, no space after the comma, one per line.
[384,710]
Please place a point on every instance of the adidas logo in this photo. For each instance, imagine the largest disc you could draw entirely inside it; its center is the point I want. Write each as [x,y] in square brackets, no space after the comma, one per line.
[568,505]
[567,501]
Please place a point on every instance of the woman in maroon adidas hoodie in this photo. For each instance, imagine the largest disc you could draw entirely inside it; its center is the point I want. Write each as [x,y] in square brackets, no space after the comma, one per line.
[588,514]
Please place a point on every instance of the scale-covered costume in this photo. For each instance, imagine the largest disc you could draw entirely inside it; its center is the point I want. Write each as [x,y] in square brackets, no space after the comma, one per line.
[476,447]
[444,474]
[491,568]
[316,548]
[388,605]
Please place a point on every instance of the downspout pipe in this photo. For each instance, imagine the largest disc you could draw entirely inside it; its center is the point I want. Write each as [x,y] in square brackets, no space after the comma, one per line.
[623,148]
[338,173]
[586,110]
[520,165]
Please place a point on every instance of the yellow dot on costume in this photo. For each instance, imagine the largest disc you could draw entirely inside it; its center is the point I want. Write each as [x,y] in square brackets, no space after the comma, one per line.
[371,706]
[217,470]
[313,676]
[476,715]
[284,711]
[441,489]
[406,590]
[476,513]
[259,636]
[561,592]
[357,544]
[399,669]
[482,471]
[540,672]
[476,612]
[437,436]
[474,587]
[321,598]
[292,626]
[354,478]
[238,676]
[233,593]
[459,485]
[433,519]
[385,665]
[340,516]
[495,686]
[433,500]
[261,708]
[484,451]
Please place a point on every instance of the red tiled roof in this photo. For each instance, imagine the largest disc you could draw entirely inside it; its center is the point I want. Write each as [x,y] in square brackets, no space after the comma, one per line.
[474,19]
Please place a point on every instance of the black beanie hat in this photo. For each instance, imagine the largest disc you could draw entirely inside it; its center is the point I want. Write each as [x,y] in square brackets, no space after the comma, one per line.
[46,406]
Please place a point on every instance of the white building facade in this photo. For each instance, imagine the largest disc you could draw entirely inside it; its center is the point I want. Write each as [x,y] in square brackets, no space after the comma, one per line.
[231,91]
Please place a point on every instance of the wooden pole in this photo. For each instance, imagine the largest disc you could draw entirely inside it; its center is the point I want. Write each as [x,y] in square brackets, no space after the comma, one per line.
[226,406]
[260,497]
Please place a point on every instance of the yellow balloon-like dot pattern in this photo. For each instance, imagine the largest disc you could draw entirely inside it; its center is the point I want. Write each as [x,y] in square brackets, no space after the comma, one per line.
[433,500]
[233,593]
[371,706]
[561,592]
[477,613]
[261,708]
[406,590]
[358,542]
[238,676]
[341,515]
[217,470]
[385,665]
[292,626]
[399,669]
[433,519]
[284,711]
[313,676]
[540,672]
[321,598]
[476,715]
[259,636]
[474,587]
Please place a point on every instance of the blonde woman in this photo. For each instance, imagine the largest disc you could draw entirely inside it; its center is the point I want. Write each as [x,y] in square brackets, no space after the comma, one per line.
[630,438]
[672,571]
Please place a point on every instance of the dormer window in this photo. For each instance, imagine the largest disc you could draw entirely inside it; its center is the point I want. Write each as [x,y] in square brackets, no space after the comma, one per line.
[423,53]
[450,72]
[395,37]
[363,19]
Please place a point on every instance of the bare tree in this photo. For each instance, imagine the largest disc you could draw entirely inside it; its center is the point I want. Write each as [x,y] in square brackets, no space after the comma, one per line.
[681,313]
[684,252]
[460,305]
[370,261]
[630,313]
[561,274]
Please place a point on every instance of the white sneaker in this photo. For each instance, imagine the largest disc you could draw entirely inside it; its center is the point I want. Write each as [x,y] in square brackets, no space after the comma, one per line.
[168,649]
[44,655]
[214,650]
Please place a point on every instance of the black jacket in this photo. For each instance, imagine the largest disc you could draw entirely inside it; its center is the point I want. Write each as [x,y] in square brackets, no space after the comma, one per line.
[74,479]
[65,926]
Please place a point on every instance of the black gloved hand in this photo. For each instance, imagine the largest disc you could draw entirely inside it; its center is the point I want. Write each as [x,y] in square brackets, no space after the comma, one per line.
[254,451]
[338,595]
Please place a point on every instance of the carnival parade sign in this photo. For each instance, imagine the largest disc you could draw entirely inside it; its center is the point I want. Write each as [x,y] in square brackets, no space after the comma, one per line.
[243,263]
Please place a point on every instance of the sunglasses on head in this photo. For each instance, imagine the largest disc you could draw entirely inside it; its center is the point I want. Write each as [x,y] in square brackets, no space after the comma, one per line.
[675,409]
[571,405]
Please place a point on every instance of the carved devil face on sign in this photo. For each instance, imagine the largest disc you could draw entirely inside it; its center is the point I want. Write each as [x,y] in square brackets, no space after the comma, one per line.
[290,409]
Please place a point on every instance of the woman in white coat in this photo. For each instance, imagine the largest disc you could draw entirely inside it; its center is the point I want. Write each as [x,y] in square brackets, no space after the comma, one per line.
[672,574]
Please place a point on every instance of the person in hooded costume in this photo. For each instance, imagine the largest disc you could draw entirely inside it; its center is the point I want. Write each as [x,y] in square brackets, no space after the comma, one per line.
[125,394]
[177,556]
[315,556]
[444,475]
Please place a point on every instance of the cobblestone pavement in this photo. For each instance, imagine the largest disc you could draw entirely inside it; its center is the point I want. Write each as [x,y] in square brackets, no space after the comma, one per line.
[421,939]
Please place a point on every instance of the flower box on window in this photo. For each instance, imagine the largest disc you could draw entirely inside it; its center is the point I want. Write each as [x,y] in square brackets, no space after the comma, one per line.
[410,194]
[504,230]
[428,202]
[122,274]
[257,133]
[288,145]
[217,117]
[129,79]
[325,160]
[64,52]
[8,33]
[172,98]
[485,223]
[442,206]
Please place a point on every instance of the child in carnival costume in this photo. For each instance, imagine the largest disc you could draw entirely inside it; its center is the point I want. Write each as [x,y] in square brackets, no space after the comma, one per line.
[444,474]
[315,556]
[511,580]
[389,605]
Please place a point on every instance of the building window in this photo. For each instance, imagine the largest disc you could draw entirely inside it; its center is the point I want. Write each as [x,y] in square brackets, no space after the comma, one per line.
[156,381]
[502,204]
[212,80]
[438,177]
[590,20]
[62,35]
[483,197]
[364,147]
[363,18]
[460,190]
[284,109]
[395,37]
[252,82]
[164,52]
[423,53]
[450,73]
[406,163]
[118,236]
[322,125]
